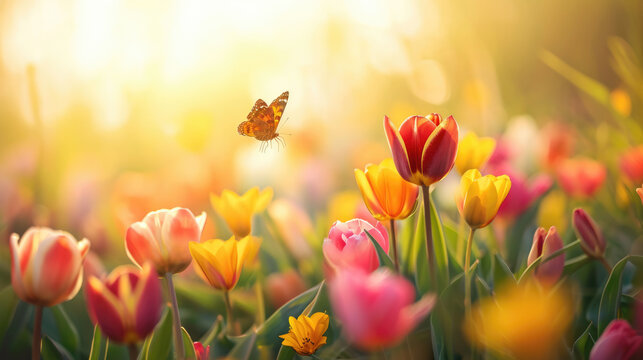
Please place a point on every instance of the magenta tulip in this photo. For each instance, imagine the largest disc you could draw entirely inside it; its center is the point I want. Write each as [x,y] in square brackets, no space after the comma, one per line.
[618,342]
[347,245]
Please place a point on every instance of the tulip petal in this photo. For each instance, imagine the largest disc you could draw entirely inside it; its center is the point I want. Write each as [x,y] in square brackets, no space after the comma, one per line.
[56,266]
[438,154]
[16,267]
[105,309]
[180,227]
[140,244]
[400,156]
[148,300]
[370,198]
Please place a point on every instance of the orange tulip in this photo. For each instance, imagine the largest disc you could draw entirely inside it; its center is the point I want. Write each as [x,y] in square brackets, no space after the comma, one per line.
[581,177]
[127,305]
[162,238]
[423,148]
[632,164]
[385,193]
[46,265]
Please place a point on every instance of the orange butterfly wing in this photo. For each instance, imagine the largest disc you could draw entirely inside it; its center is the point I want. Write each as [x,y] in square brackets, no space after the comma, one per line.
[263,120]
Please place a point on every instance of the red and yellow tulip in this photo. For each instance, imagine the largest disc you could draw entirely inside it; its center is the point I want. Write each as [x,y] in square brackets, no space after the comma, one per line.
[46,265]
[424,148]
[127,305]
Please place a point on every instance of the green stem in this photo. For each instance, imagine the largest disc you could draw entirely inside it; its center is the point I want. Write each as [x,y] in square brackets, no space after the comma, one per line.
[467,274]
[460,246]
[605,264]
[428,233]
[394,246]
[228,309]
[37,327]
[261,311]
[179,352]
[133,351]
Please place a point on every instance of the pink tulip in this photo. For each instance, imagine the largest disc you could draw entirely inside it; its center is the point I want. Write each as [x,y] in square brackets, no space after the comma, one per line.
[591,237]
[377,310]
[581,177]
[545,244]
[347,245]
[162,238]
[618,342]
[202,353]
[47,265]
[127,305]
[523,192]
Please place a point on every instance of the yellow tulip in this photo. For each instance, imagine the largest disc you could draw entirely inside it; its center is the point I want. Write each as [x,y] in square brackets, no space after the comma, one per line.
[481,196]
[473,152]
[521,322]
[306,333]
[237,210]
[220,262]
[386,194]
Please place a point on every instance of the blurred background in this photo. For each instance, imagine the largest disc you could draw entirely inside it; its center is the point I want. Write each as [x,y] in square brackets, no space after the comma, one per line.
[112,109]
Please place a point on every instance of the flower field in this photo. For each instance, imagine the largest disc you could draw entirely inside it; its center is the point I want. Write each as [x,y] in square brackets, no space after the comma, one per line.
[321,180]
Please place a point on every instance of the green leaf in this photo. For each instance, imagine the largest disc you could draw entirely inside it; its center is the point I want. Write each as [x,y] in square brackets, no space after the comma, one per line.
[583,345]
[53,350]
[439,247]
[142,354]
[384,259]
[418,255]
[97,344]
[277,324]
[588,85]
[188,345]
[610,300]
[69,337]
[286,353]
[245,347]
[308,310]
[501,271]
[8,304]
[161,339]
[215,330]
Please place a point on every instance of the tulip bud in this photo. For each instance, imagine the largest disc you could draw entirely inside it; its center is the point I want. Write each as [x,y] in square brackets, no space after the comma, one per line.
[202,353]
[545,244]
[127,305]
[618,342]
[46,265]
[591,237]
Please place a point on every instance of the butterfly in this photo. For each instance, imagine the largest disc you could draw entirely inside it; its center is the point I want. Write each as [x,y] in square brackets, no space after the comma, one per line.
[263,120]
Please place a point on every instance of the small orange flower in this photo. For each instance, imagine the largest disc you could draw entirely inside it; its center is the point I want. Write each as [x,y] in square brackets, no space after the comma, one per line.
[306,333]
[385,193]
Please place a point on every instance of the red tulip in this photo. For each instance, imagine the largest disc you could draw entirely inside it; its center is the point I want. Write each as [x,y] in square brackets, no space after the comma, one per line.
[127,305]
[581,177]
[377,310]
[423,148]
[545,244]
[202,353]
[46,265]
[162,238]
[591,237]
[618,342]
[632,164]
